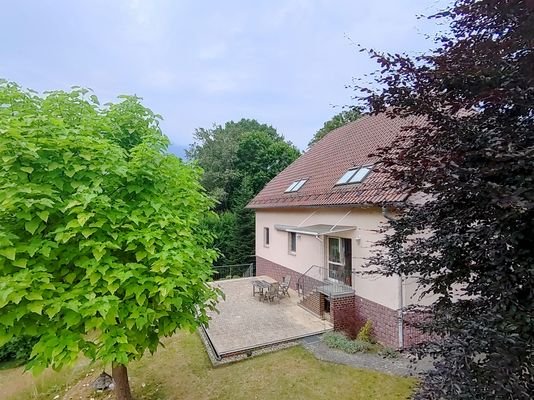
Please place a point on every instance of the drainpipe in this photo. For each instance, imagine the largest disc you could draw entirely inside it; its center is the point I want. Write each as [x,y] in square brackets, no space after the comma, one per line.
[400,312]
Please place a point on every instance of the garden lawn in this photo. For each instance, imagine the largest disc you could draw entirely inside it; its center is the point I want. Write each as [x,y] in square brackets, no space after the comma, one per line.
[182,370]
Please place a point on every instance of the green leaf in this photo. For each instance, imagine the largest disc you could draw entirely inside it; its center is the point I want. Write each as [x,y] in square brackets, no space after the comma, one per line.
[5,337]
[72,318]
[88,232]
[20,262]
[82,218]
[31,226]
[43,215]
[52,310]
[9,253]
[36,307]
[98,253]
[139,255]
[28,170]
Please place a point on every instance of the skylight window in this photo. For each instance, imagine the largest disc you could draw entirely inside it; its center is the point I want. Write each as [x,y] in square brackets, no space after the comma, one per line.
[295,186]
[355,175]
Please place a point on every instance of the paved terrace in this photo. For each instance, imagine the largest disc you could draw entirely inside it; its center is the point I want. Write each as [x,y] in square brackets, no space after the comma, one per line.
[245,323]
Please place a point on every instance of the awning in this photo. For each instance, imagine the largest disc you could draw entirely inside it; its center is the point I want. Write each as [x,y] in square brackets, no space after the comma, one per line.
[315,230]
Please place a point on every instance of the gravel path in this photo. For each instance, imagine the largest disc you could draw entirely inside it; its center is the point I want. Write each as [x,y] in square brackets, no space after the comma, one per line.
[399,366]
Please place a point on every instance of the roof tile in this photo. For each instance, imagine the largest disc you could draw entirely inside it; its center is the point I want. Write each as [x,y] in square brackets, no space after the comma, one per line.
[325,162]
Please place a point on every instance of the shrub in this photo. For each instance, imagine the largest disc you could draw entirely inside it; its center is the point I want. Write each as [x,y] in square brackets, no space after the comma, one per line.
[337,340]
[388,352]
[366,333]
[18,349]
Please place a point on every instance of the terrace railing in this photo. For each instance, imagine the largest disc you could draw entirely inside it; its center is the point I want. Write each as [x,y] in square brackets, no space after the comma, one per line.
[234,271]
[320,279]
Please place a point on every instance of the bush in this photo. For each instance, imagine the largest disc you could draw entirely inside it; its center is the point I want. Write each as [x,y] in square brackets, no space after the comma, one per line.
[337,340]
[366,333]
[388,352]
[18,349]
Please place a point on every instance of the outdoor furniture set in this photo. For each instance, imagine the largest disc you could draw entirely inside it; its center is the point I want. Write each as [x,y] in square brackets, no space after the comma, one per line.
[269,291]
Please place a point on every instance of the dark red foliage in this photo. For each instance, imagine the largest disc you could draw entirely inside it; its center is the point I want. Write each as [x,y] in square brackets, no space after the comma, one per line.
[474,163]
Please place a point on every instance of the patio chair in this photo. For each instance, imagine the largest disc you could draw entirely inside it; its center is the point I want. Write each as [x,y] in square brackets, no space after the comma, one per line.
[272,292]
[284,286]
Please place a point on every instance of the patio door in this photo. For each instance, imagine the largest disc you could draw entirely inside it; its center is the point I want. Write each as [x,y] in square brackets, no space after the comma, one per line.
[340,260]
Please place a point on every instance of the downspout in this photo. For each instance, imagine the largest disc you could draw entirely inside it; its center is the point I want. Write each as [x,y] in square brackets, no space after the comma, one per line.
[400,311]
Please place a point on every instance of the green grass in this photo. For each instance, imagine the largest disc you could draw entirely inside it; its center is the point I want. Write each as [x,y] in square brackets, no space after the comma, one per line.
[182,370]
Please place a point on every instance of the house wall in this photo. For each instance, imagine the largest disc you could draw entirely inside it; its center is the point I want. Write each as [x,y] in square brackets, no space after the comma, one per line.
[311,250]
[376,298]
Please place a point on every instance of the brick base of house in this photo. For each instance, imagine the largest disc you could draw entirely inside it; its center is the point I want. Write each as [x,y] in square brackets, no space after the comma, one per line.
[385,321]
[343,314]
[315,303]
[276,271]
[350,313]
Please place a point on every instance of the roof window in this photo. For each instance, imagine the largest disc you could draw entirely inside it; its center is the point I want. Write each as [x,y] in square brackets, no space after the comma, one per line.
[354,175]
[295,186]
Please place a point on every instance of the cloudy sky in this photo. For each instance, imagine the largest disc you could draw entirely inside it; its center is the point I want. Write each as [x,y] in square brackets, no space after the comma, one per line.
[283,62]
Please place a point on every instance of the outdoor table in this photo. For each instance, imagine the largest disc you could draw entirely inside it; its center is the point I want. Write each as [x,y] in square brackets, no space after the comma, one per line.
[260,286]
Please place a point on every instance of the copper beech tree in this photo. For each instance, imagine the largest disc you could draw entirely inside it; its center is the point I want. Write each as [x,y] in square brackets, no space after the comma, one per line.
[473,161]
[102,246]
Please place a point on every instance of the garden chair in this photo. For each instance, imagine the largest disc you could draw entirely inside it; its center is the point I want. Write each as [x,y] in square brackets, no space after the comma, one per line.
[272,292]
[284,286]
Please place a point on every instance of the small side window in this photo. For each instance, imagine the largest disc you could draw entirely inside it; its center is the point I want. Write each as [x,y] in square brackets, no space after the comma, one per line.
[266,237]
[292,236]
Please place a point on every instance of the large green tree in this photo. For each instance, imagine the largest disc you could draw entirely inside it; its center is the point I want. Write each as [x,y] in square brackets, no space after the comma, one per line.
[102,245]
[238,160]
[337,121]
[471,158]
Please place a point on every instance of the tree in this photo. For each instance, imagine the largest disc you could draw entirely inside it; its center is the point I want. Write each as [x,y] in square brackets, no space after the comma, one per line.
[471,156]
[215,150]
[238,161]
[337,121]
[102,248]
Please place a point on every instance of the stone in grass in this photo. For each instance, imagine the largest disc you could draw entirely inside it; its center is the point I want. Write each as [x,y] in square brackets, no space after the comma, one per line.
[103,382]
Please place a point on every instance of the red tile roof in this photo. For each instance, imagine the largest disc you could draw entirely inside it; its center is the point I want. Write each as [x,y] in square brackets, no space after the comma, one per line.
[323,165]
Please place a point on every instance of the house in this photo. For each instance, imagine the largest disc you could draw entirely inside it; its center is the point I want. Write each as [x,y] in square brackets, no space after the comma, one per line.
[318,222]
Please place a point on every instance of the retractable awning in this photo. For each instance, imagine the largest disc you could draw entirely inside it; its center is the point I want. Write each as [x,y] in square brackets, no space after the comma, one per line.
[315,230]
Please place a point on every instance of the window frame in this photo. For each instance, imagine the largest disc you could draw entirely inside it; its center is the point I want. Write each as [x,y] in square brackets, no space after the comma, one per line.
[296,185]
[292,239]
[266,236]
[347,177]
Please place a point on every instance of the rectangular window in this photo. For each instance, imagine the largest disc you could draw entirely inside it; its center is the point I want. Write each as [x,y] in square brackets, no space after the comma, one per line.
[266,238]
[292,242]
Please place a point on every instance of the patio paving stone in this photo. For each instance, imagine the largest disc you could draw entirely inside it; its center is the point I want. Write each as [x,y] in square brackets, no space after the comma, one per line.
[244,322]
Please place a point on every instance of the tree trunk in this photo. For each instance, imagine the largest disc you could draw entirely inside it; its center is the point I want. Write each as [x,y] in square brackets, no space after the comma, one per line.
[122,386]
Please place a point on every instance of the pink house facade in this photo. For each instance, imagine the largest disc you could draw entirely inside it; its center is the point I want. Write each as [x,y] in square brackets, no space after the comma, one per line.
[318,221]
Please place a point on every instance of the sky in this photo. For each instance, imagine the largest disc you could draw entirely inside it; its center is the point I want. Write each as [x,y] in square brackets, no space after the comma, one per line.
[286,63]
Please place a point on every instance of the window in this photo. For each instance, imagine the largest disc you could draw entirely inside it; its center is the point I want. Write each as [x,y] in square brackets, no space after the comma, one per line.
[292,236]
[266,238]
[355,175]
[295,186]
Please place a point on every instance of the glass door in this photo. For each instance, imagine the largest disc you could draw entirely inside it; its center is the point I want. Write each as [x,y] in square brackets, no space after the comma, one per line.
[336,259]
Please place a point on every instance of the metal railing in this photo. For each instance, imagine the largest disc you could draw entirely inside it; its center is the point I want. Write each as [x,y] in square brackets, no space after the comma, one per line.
[331,283]
[233,271]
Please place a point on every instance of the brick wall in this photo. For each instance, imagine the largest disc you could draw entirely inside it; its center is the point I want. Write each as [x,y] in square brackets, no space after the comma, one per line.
[343,313]
[384,320]
[413,335]
[314,302]
[275,271]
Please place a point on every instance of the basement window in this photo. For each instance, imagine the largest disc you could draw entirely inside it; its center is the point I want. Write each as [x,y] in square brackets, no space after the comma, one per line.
[295,186]
[354,175]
